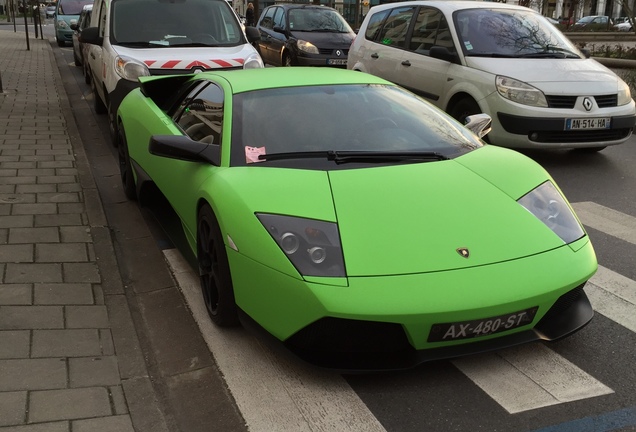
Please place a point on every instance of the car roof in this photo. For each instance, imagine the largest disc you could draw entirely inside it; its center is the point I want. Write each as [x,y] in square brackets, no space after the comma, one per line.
[451,6]
[245,80]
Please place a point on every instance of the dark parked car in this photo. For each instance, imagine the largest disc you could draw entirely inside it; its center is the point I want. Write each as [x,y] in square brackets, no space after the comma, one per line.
[303,35]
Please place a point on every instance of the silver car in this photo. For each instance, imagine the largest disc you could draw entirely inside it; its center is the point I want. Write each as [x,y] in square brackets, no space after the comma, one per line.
[507,61]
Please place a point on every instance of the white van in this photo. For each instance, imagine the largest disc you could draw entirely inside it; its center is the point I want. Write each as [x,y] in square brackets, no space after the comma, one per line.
[133,38]
[507,61]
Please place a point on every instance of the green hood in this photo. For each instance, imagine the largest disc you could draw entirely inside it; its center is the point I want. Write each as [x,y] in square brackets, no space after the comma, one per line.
[413,218]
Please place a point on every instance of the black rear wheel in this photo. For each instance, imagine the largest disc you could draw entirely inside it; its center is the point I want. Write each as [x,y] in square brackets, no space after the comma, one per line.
[214,270]
[125,167]
[98,105]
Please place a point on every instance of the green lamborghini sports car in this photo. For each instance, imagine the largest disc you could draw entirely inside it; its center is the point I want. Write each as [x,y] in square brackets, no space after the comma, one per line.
[361,227]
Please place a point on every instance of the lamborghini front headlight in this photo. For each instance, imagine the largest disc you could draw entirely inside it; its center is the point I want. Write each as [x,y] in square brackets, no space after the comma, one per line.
[312,246]
[549,206]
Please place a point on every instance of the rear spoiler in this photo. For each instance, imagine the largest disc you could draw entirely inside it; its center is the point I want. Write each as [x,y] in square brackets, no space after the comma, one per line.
[162,89]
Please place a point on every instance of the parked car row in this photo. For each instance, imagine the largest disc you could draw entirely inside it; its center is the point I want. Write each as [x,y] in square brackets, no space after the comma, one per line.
[300,265]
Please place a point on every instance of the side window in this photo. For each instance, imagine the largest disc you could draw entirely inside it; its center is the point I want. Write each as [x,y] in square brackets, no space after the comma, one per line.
[444,37]
[396,26]
[431,28]
[425,30]
[202,115]
[375,25]
[279,18]
[268,18]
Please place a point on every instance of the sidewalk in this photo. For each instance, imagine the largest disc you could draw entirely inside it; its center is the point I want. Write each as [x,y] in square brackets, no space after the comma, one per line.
[59,370]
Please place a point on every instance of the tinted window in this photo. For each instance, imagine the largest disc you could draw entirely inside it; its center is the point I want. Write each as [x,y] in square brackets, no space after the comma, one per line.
[378,118]
[267,21]
[431,28]
[396,26]
[202,115]
[375,25]
[279,18]
[172,23]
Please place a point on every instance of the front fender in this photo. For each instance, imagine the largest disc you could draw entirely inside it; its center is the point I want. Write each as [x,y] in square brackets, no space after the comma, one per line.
[472,82]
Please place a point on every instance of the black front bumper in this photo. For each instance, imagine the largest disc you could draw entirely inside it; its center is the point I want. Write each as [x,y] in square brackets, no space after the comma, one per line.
[551,130]
[353,346]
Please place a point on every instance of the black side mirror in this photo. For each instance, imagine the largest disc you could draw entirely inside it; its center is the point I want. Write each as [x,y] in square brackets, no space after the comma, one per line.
[279,29]
[252,34]
[442,53]
[90,35]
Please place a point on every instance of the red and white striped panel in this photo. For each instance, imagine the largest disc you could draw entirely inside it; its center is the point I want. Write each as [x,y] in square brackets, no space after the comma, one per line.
[189,64]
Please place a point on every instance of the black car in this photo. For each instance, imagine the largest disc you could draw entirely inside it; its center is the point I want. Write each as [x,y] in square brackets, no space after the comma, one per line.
[303,35]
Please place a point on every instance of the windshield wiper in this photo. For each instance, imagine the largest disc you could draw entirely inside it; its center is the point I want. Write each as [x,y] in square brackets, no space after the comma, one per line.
[192,44]
[323,30]
[549,54]
[489,54]
[140,44]
[341,157]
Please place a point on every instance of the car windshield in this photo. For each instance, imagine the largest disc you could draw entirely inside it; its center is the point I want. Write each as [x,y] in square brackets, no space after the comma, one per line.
[510,33]
[72,7]
[317,20]
[384,123]
[157,23]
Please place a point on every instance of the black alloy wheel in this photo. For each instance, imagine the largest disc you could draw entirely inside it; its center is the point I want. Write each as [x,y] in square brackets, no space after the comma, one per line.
[214,271]
[87,74]
[125,167]
[98,105]
[287,60]
[463,108]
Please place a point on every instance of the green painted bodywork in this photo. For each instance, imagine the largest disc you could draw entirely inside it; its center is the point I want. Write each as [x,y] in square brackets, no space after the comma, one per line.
[400,226]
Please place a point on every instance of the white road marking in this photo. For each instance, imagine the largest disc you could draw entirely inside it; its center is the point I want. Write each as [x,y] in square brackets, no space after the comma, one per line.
[607,220]
[614,296]
[529,377]
[273,393]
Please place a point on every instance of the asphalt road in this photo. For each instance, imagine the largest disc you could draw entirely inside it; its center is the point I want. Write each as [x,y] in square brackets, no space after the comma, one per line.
[584,383]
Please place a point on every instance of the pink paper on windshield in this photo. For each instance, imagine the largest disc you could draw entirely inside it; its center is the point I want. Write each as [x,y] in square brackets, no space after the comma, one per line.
[252,153]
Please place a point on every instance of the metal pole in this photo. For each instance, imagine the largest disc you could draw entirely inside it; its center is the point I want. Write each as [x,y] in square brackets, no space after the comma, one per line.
[13,16]
[26,26]
[35,12]
[40,22]
[1,91]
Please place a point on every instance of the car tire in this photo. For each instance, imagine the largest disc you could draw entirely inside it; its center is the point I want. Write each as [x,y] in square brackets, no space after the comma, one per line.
[214,270]
[60,43]
[87,75]
[125,167]
[287,60]
[76,60]
[112,127]
[98,105]
[463,108]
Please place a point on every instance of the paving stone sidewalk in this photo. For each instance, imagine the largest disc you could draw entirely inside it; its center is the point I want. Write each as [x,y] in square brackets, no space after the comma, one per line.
[58,365]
